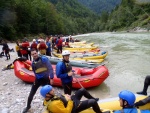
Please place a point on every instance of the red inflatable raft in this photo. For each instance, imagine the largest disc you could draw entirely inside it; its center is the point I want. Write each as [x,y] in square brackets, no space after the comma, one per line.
[87,77]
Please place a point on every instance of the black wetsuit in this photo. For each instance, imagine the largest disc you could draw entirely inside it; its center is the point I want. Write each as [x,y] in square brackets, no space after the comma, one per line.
[6,50]
[142,102]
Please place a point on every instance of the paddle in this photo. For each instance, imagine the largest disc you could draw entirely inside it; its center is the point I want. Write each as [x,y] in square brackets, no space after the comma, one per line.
[77,79]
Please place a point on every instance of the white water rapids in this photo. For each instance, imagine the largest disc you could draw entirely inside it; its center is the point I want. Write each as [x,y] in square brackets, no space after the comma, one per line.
[129,61]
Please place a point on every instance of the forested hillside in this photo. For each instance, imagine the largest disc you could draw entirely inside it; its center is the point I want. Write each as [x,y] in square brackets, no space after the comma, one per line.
[100,6]
[76,18]
[130,14]
[19,18]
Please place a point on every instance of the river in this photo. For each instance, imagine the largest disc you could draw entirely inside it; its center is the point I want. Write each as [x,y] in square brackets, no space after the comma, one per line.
[128,61]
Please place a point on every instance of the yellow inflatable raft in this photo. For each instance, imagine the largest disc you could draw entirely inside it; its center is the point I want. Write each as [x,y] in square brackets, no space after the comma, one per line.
[75,44]
[89,60]
[85,58]
[83,48]
[81,42]
[113,104]
[81,59]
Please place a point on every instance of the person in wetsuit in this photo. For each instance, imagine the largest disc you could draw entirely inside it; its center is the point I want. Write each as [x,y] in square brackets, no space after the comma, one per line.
[43,71]
[146,84]
[6,49]
[64,72]
[58,103]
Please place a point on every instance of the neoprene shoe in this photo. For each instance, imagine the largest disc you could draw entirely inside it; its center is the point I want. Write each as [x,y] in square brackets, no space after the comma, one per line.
[97,99]
[25,110]
[106,112]
[142,93]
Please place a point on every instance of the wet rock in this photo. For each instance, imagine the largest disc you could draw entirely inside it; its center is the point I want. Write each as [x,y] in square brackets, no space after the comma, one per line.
[4,84]
[16,83]
[5,110]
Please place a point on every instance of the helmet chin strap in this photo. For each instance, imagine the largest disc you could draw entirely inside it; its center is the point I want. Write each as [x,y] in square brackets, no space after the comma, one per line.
[65,61]
[126,105]
[51,96]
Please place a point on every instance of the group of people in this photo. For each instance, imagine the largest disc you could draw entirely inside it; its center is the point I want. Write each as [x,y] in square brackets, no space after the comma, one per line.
[44,47]
[67,103]
[57,42]
[6,50]
[24,49]
[44,77]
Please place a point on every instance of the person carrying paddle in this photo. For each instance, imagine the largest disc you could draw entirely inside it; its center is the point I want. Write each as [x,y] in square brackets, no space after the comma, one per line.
[43,71]
[127,99]
[64,72]
[58,103]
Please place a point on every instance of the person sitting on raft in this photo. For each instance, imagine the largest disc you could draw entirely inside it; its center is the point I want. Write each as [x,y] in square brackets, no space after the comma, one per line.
[127,99]
[66,103]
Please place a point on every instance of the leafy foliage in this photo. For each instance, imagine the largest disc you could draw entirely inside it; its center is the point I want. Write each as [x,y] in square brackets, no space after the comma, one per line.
[19,18]
[129,15]
[99,6]
[22,17]
[77,19]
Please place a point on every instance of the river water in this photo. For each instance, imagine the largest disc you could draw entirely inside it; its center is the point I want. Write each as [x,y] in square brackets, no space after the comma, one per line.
[128,61]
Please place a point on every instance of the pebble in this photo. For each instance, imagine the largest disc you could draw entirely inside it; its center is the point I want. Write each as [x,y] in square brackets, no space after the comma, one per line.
[5,110]
[4,84]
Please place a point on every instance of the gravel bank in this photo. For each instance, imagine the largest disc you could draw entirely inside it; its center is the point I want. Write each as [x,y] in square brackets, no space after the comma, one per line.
[13,91]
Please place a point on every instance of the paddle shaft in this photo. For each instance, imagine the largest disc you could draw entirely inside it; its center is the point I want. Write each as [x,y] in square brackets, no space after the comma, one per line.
[78,81]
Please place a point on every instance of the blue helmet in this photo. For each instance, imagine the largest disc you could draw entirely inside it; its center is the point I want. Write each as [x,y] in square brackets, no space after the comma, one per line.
[104,52]
[127,96]
[45,89]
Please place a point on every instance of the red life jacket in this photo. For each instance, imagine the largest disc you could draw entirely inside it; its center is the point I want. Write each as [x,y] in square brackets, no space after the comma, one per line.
[66,43]
[59,42]
[24,48]
[23,51]
[42,46]
[34,45]
[25,44]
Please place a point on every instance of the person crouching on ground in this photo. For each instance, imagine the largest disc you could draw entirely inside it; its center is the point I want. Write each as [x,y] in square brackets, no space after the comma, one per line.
[58,103]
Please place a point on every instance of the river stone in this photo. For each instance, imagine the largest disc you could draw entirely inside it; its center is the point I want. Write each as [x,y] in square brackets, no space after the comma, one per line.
[5,110]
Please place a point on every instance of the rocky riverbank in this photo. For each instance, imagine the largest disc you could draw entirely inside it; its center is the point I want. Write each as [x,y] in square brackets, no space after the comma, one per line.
[13,91]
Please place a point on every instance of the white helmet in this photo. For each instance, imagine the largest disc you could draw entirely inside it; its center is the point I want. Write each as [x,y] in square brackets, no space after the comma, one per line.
[34,40]
[65,52]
